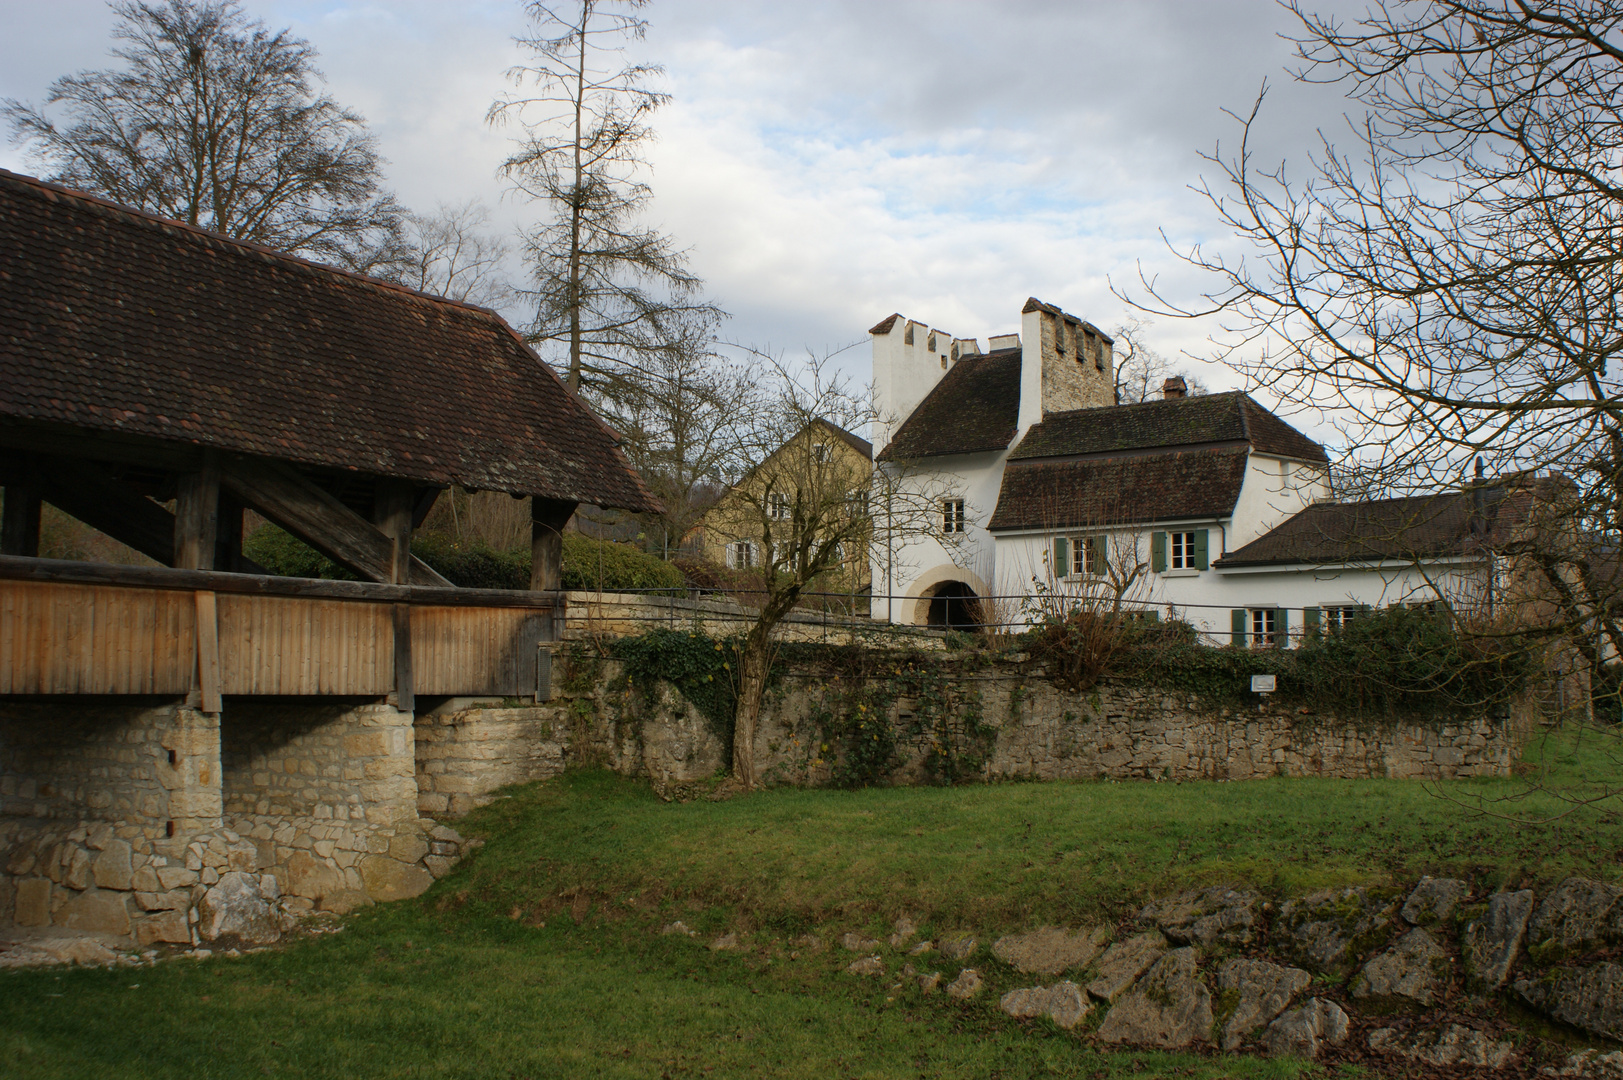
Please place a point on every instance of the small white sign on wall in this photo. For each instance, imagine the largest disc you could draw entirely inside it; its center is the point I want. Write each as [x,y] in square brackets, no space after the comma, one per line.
[1262,684]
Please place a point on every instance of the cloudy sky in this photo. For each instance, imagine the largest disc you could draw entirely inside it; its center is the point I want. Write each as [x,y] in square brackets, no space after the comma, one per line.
[827,163]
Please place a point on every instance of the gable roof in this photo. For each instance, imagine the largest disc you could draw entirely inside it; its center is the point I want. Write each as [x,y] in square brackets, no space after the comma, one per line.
[855,442]
[1229,418]
[1421,526]
[118,321]
[1073,494]
[974,408]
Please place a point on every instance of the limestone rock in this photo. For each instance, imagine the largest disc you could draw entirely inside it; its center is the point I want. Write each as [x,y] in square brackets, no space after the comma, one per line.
[1452,1045]
[1416,968]
[100,911]
[85,951]
[1328,931]
[390,879]
[343,901]
[966,985]
[1489,945]
[1169,1007]
[928,983]
[177,877]
[111,868]
[868,965]
[165,926]
[77,875]
[235,907]
[1263,991]
[1206,916]
[178,900]
[34,902]
[852,942]
[1433,901]
[408,847]
[725,942]
[678,927]
[308,876]
[145,880]
[902,932]
[1124,962]
[1049,950]
[1575,918]
[1590,998]
[1301,1032]
[1064,1003]
[959,947]
[438,865]
[921,948]
[1591,1065]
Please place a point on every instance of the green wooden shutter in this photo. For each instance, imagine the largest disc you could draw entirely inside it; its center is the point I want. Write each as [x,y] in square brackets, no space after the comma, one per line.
[1282,627]
[1202,550]
[1062,557]
[1312,623]
[1237,619]
[1097,562]
[1158,552]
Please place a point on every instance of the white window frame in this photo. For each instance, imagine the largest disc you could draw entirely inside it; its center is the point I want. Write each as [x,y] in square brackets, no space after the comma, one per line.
[1082,551]
[952,516]
[822,452]
[741,554]
[1337,616]
[1262,627]
[1181,550]
[777,506]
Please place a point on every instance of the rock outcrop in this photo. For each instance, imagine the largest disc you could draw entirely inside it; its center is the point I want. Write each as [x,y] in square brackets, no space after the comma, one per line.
[1064,1003]
[1262,991]
[1416,968]
[1169,1007]
[1489,944]
[1304,1031]
[1209,916]
[1049,950]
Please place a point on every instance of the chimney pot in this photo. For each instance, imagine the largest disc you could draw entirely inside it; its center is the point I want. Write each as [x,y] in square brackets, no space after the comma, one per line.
[1174,387]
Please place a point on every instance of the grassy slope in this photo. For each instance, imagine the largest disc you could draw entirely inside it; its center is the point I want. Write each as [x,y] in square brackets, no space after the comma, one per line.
[580,983]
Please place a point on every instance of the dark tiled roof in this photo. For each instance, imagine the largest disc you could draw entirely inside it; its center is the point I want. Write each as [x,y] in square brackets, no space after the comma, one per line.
[975,407]
[1109,491]
[883,325]
[1191,421]
[1034,304]
[855,442]
[117,321]
[1416,527]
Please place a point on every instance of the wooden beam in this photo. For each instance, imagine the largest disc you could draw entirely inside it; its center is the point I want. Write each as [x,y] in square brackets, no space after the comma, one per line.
[547,520]
[405,699]
[392,504]
[19,520]
[208,652]
[197,515]
[302,508]
[14,568]
[86,491]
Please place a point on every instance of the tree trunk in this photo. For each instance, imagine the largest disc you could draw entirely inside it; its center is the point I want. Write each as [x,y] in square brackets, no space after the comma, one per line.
[754,663]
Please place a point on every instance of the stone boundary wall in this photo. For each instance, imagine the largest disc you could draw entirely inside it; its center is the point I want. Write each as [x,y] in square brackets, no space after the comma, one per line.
[606,614]
[1033,731]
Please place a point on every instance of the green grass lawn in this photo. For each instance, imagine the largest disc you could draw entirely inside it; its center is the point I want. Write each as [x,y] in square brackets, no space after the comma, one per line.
[541,956]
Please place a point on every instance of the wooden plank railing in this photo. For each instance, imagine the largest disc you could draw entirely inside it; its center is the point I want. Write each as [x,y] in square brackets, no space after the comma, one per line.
[90,628]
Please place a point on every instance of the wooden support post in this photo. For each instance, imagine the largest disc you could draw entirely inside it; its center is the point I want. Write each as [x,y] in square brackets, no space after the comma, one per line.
[197,516]
[405,697]
[393,503]
[208,652]
[547,520]
[19,521]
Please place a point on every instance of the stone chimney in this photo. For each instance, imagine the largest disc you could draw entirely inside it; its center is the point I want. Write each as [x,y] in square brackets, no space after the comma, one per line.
[1174,387]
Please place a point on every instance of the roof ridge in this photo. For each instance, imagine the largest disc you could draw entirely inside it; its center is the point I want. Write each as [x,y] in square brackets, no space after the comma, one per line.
[147,217]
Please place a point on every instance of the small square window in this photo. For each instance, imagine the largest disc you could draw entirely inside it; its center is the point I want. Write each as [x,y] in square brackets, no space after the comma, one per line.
[952,515]
[821,452]
[741,554]
[1085,557]
[1335,618]
[777,506]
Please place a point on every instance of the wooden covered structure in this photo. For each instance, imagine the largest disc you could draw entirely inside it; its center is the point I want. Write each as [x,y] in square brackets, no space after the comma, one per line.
[157,380]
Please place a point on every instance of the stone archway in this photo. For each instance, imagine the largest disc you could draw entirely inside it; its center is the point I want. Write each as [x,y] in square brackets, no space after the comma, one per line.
[943,598]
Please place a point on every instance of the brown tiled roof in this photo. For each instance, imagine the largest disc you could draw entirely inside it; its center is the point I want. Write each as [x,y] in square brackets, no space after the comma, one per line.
[1419,526]
[1192,421]
[974,408]
[1034,304]
[1140,489]
[883,325]
[118,321]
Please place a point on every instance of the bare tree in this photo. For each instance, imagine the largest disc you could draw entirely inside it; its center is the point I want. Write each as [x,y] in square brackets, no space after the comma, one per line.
[606,286]
[452,253]
[1141,372]
[806,510]
[1450,285]
[217,122]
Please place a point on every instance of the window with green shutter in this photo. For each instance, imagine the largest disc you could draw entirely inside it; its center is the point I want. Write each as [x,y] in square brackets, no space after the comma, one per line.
[1202,550]
[1062,557]
[1096,555]
[1237,623]
[1312,618]
[1158,552]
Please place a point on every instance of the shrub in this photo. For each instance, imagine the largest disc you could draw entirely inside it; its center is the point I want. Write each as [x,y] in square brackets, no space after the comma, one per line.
[285,555]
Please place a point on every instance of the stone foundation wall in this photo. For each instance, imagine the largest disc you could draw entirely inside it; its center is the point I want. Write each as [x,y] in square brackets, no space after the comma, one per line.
[466,753]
